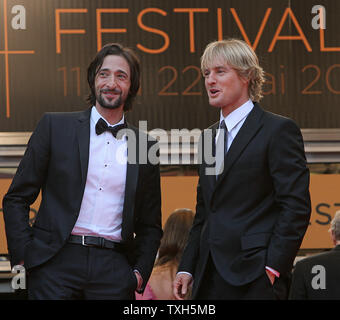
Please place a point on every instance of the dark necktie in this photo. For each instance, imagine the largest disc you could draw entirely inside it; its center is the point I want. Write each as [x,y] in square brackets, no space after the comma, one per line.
[102,126]
[221,147]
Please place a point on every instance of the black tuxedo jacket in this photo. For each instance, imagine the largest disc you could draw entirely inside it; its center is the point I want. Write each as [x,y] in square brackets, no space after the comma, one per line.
[303,275]
[56,162]
[257,212]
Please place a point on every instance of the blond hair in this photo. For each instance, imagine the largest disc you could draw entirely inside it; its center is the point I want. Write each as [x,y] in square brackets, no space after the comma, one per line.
[241,57]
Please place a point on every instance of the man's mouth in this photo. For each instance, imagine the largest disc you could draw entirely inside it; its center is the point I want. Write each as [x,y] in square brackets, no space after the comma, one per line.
[213,92]
[111,94]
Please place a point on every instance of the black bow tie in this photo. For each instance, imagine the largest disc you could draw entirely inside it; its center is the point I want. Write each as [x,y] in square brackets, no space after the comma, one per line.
[102,126]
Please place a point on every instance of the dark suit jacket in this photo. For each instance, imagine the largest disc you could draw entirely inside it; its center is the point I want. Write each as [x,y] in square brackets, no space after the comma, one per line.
[56,162]
[302,287]
[257,212]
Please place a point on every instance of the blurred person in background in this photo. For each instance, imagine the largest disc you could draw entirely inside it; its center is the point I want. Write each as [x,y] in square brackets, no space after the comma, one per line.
[176,231]
[318,277]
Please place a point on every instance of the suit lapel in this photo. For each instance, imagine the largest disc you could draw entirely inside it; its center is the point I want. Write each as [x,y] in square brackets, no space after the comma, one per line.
[132,172]
[248,130]
[83,135]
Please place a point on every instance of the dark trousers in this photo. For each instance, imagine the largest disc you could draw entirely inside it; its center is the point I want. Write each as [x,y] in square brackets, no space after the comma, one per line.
[214,287]
[79,272]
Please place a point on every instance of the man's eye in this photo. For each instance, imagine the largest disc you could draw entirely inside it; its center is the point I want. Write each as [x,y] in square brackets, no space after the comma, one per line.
[122,77]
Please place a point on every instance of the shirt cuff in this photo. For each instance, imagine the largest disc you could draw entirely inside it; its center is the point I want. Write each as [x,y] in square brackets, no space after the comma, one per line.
[274,272]
[184,272]
[139,285]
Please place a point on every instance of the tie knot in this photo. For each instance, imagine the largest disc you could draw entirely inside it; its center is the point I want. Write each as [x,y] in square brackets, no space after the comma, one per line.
[223,125]
[101,126]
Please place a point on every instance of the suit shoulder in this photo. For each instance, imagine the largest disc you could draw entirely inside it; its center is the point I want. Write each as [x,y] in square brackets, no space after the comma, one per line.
[278,124]
[277,118]
[314,259]
[61,118]
[63,115]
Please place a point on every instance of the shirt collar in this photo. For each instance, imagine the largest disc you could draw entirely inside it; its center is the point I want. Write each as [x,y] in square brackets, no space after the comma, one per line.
[95,116]
[233,118]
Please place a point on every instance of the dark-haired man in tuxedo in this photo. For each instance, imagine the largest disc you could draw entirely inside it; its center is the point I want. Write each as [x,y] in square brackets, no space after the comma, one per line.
[98,227]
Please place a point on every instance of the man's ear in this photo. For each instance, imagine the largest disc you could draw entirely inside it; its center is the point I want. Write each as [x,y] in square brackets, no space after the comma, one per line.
[244,79]
[246,76]
[333,238]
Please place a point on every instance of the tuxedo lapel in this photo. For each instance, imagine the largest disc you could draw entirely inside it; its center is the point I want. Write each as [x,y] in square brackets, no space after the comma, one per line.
[248,130]
[83,135]
[132,172]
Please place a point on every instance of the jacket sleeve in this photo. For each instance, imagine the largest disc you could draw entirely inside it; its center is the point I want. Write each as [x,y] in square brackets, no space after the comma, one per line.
[290,178]
[191,251]
[148,226]
[190,255]
[24,190]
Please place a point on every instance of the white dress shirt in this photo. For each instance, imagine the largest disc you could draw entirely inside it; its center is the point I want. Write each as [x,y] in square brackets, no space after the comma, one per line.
[235,120]
[102,204]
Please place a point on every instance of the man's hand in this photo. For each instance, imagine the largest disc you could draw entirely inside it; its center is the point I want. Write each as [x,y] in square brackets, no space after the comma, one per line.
[139,279]
[181,284]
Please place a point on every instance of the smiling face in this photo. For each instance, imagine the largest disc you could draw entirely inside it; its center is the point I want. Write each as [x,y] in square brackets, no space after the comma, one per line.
[112,83]
[225,88]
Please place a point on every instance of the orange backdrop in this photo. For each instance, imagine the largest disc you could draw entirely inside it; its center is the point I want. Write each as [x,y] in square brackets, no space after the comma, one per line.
[180,192]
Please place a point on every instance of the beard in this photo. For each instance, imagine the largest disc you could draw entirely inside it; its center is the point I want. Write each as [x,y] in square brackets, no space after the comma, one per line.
[113,104]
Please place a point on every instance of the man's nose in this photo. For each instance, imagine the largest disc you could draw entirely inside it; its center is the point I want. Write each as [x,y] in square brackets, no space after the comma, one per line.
[111,81]
[210,78]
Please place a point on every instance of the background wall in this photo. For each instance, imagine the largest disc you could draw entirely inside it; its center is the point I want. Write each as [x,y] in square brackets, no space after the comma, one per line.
[180,192]
[46,46]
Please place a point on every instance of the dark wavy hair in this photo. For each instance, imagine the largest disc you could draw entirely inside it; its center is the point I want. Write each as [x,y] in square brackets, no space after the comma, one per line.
[131,58]
[175,236]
